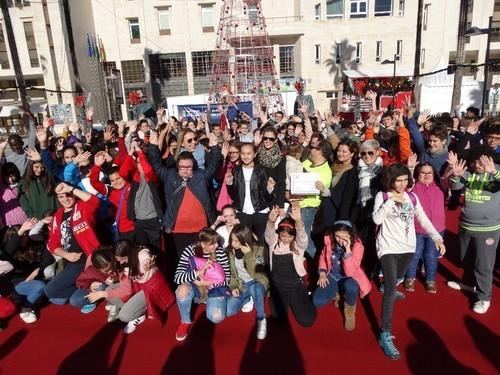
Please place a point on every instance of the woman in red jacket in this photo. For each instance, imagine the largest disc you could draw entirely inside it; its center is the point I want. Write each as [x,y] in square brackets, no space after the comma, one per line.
[340,271]
[72,237]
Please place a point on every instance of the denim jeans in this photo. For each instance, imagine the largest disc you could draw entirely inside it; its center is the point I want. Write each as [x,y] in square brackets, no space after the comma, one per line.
[427,250]
[62,286]
[79,299]
[308,214]
[32,290]
[252,289]
[215,306]
[347,286]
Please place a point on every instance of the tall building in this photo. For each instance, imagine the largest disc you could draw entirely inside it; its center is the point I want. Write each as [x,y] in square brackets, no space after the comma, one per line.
[165,48]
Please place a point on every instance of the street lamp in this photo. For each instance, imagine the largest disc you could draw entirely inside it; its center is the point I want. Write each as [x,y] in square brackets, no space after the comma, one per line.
[393,62]
[474,31]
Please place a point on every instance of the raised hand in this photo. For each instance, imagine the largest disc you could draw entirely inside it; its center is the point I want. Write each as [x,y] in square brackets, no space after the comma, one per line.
[121,128]
[212,140]
[372,95]
[489,164]
[303,108]
[274,213]
[225,149]
[108,133]
[159,113]
[33,155]
[412,161]
[99,158]
[47,123]
[132,126]
[41,135]
[459,168]
[295,214]
[27,226]
[423,117]
[82,157]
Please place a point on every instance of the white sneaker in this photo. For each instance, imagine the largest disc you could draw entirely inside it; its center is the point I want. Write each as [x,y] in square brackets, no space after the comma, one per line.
[113,313]
[28,316]
[247,307]
[261,329]
[459,286]
[481,307]
[132,326]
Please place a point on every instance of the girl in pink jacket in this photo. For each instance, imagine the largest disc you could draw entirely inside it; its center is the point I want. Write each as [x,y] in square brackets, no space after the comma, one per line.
[340,271]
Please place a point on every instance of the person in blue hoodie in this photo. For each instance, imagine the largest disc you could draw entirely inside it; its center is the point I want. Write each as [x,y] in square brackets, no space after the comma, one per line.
[434,150]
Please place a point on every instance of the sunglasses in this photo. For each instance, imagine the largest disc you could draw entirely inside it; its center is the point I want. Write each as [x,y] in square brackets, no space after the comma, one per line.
[191,140]
[272,139]
[367,153]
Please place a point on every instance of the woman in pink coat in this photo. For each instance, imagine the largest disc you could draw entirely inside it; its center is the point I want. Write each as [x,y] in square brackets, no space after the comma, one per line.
[340,271]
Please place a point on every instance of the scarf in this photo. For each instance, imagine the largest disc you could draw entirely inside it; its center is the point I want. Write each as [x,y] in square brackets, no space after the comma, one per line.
[438,153]
[338,171]
[366,174]
[269,158]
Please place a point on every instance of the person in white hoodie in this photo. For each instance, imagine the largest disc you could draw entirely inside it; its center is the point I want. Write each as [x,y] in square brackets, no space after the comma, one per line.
[394,212]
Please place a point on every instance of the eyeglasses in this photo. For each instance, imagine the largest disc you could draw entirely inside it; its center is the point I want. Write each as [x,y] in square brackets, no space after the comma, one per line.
[493,137]
[367,153]
[272,139]
[191,140]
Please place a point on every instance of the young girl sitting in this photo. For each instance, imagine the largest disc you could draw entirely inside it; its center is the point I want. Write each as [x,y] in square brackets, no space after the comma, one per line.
[95,277]
[394,212]
[431,196]
[149,291]
[287,245]
[340,271]
[248,276]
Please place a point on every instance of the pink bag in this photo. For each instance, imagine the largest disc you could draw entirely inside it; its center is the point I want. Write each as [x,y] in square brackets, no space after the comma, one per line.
[215,274]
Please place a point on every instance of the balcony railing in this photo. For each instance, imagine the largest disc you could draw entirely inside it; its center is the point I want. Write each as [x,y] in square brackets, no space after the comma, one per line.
[270,20]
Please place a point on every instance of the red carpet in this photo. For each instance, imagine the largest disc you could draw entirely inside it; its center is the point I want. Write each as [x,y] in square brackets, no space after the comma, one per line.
[436,334]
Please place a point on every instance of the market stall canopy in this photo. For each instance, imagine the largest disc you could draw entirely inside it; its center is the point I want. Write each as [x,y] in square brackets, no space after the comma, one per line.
[9,110]
[383,72]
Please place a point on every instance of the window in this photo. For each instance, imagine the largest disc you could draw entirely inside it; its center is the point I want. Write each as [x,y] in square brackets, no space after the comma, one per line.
[207,17]
[135,31]
[338,52]
[317,12]
[30,42]
[399,50]
[317,54]
[4,56]
[383,8]
[202,63]
[287,68]
[422,58]
[425,20]
[133,76]
[378,52]
[331,95]
[334,9]
[358,8]
[401,8]
[164,21]
[359,47]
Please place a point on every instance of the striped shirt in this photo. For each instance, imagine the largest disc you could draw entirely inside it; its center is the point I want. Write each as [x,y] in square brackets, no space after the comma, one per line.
[184,274]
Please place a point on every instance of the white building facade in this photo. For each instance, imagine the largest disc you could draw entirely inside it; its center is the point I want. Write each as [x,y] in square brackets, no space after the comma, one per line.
[164,48]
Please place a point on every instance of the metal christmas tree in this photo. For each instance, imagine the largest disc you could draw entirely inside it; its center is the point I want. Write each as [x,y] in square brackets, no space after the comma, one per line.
[243,67]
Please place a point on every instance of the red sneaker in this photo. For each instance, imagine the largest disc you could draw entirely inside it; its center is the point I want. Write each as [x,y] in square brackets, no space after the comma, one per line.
[182,331]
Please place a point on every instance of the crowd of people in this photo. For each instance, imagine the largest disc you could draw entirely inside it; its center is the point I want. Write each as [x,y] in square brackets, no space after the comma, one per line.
[146,214]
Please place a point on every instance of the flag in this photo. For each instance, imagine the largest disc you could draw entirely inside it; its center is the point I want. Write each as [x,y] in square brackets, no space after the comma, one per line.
[89,46]
[94,46]
[102,52]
